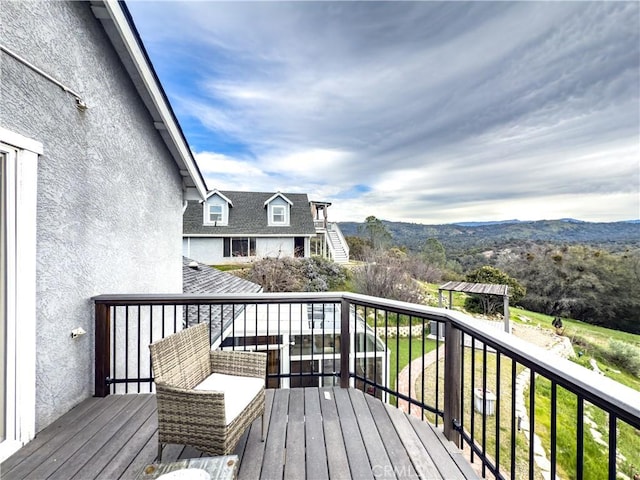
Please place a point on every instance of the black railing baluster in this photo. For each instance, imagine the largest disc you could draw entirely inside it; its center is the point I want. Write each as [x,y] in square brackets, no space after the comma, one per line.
[532,420]
[126,349]
[410,362]
[484,406]
[150,341]
[437,382]
[613,446]
[580,439]
[138,342]
[397,357]
[473,385]
[513,418]
[554,427]
[424,341]
[462,370]
[497,411]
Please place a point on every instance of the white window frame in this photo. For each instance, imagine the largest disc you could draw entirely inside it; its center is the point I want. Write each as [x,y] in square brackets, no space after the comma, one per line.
[20,188]
[218,214]
[275,208]
[224,213]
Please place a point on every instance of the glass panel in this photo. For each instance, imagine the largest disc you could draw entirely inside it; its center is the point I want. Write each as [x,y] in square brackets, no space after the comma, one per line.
[301,345]
[331,366]
[3,316]
[300,371]
[215,213]
[278,214]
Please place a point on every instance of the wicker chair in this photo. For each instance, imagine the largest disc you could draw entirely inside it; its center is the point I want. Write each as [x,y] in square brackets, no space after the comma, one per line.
[206,398]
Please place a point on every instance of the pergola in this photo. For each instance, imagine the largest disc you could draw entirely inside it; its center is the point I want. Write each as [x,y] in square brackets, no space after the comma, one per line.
[480,289]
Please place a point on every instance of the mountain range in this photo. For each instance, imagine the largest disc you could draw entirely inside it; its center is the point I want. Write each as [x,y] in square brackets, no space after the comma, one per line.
[486,235]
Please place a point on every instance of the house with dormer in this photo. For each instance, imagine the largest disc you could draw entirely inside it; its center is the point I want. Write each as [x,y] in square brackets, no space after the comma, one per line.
[238,227]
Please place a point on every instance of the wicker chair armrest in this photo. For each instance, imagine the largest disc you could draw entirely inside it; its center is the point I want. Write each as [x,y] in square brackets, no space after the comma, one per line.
[186,406]
[247,364]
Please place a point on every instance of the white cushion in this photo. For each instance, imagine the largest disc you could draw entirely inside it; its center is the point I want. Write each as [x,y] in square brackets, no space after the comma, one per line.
[238,391]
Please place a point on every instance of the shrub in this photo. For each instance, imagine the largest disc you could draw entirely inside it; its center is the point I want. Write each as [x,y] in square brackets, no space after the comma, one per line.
[625,356]
[314,274]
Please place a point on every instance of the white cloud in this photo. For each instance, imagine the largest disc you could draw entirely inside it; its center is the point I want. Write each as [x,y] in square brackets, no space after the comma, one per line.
[434,111]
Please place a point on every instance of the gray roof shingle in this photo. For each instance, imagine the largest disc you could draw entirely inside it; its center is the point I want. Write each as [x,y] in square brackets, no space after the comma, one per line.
[208,280]
[248,216]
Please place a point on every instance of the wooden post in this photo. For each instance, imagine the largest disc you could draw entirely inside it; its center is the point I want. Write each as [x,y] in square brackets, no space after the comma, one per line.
[452,382]
[345,342]
[102,350]
[507,326]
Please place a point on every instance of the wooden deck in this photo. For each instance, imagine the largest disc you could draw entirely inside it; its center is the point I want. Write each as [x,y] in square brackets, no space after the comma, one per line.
[312,433]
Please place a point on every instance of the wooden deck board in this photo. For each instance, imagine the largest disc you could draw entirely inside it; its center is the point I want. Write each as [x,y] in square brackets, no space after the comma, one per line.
[326,433]
[434,442]
[400,461]
[108,454]
[337,460]
[274,452]
[356,451]
[294,467]
[56,454]
[253,453]
[316,453]
[373,443]
[417,452]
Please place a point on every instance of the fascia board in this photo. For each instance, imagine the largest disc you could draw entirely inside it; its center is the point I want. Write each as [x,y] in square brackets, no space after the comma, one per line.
[144,70]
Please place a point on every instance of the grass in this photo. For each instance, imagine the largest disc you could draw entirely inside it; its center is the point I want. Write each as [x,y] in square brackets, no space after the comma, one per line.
[595,455]
[399,358]
[472,420]
[594,333]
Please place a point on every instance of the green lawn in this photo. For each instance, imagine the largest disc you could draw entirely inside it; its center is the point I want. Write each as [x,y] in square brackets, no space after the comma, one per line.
[399,358]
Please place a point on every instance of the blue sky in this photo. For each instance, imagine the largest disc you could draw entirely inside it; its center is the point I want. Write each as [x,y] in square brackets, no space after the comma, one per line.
[424,112]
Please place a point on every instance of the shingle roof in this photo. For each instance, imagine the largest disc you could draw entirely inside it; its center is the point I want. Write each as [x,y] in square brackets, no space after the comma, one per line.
[204,279]
[248,216]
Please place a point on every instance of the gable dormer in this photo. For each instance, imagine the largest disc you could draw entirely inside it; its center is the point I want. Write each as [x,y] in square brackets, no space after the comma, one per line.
[278,210]
[215,209]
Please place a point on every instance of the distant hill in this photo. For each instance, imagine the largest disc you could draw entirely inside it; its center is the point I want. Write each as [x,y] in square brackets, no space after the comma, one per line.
[488,235]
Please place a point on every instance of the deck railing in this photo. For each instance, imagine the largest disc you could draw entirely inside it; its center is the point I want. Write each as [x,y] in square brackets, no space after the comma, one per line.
[515,408]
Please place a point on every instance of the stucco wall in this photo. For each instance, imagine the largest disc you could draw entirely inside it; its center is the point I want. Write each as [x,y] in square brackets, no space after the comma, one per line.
[205,250]
[274,247]
[109,195]
[210,250]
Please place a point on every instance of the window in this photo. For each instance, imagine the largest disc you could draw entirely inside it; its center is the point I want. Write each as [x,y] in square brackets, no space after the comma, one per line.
[239,247]
[278,213]
[215,213]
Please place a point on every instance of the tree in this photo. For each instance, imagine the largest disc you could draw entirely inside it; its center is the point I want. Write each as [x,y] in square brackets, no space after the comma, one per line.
[376,233]
[491,303]
[433,253]
[385,275]
[358,247]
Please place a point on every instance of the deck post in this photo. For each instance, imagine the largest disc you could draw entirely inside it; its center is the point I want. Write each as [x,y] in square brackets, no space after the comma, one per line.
[102,349]
[452,382]
[345,341]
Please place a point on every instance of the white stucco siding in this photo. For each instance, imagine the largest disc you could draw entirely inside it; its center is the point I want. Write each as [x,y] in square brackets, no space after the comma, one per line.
[109,194]
[276,247]
[204,250]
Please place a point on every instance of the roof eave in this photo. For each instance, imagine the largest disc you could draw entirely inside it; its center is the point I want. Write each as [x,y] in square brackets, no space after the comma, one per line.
[118,24]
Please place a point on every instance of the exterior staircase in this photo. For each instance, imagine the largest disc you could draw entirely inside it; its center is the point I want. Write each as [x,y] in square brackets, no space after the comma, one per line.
[337,244]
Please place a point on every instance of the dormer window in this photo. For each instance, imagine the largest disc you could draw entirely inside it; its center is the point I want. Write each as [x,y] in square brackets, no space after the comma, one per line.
[278,210]
[215,210]
[278,213]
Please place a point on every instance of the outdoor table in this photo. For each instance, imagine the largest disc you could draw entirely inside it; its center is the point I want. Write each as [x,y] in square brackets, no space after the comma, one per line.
[217,468]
